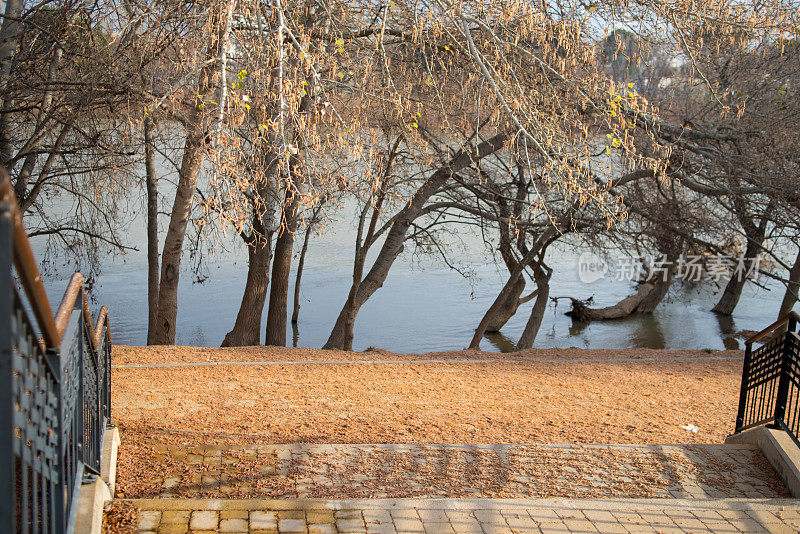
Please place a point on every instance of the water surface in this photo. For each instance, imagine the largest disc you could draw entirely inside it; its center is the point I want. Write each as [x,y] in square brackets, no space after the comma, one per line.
[423,306]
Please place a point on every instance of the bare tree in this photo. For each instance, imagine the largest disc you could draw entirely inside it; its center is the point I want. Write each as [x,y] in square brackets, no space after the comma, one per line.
[311,223]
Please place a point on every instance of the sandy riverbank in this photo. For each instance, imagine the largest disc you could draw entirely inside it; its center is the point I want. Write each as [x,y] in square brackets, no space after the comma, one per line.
[515,398]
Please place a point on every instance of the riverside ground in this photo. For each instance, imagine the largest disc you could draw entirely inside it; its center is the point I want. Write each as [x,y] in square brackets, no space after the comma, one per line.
[288,440]
[184,399]
[287,395]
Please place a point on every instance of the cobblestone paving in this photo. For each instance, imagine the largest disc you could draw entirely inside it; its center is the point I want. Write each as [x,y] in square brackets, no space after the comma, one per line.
[484,516]
[478,471]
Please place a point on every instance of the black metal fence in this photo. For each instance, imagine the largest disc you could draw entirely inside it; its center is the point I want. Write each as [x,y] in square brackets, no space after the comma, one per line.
[770,391]
[54,397]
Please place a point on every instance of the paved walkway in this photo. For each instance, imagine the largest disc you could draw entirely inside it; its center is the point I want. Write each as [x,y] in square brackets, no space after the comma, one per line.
[430,471]
[384,516]
[425,361]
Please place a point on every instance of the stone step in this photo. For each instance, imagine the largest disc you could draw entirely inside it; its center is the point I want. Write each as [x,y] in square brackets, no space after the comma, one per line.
[462,471]
[485,516]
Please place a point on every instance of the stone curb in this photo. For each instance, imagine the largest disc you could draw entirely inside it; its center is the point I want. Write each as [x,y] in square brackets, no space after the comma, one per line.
[93,496]
[91,502]
[108,467]
[623,505]
[780,451]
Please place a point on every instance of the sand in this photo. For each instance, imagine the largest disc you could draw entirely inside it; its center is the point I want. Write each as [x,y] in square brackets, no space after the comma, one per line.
[515,398]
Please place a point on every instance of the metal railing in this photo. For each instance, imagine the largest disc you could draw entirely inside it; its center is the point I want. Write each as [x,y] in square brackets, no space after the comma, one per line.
[770,390]
[55,397]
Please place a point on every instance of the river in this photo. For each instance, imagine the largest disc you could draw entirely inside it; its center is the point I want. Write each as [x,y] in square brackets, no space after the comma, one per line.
[424,306]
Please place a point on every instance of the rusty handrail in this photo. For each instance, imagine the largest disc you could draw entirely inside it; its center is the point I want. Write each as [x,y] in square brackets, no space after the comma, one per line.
[52,327]
[102,319]
[28,270]
[774,326]
[68,303]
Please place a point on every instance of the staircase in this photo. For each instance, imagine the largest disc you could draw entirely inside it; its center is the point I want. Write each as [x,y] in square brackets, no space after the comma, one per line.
[55,398]
[456,471]
[467,516]
[460,488]
[361,488]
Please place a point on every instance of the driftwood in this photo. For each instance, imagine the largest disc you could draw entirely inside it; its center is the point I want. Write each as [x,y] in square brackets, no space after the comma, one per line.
[645,300]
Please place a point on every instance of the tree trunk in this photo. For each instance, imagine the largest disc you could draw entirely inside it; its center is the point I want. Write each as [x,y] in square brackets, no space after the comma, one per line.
[302,261]
[152,230]
[300,264]
[341,336]
[647,297]
[508,307]
[623,308]
[281,266]
[508,288]
[537,312]
[651,301]
[733,290]
[173,242]
[349,310]
[192,163]
[247,328]
[790,297]
[498,303]
[9,45]
[509,233]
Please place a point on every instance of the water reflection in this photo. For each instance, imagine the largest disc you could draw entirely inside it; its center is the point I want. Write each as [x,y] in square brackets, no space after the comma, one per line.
[647,332]
[576,328]
[500,341]
[727,327]
[295,333]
